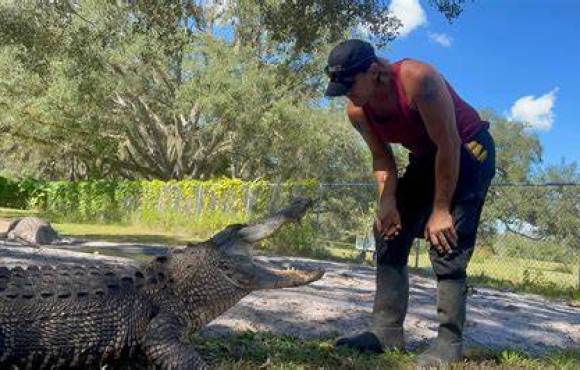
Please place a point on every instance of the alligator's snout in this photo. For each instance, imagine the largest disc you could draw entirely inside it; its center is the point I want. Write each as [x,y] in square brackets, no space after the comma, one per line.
[264,229]
[237,242]
[276,279]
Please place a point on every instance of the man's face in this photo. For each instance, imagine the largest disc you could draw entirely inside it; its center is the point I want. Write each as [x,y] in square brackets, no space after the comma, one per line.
[362,89]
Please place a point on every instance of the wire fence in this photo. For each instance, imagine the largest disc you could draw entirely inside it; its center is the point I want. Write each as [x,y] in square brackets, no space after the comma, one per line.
[529,233]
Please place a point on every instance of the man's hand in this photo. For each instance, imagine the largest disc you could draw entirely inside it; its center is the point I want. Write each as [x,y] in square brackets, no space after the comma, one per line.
[440,231]
[388,220]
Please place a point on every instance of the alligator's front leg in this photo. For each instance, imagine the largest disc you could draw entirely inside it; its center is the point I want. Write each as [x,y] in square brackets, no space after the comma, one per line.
[164,345]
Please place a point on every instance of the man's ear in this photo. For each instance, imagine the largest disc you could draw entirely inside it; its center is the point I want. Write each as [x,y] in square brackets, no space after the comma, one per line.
[374,68]
[375,71]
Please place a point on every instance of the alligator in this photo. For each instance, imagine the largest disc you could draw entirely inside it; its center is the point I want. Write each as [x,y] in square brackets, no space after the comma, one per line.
[79,316]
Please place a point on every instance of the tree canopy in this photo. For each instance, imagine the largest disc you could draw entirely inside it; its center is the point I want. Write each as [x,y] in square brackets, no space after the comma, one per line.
[179,89]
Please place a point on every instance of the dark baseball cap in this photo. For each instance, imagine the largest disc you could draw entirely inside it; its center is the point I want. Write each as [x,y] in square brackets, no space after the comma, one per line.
[346,60]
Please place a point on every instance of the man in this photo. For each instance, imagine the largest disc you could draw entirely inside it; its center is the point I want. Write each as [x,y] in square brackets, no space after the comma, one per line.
[439,197]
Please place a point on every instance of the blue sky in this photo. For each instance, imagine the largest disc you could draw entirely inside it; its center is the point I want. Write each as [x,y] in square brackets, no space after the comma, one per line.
[518,57]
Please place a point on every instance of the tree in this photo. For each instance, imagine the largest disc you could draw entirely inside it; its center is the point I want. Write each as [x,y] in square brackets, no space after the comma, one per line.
[158,89]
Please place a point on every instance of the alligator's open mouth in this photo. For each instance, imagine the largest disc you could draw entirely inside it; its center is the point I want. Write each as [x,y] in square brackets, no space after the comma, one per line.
[237,242]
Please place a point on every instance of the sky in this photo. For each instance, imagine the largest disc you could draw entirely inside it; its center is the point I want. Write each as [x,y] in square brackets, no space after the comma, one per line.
[519,57]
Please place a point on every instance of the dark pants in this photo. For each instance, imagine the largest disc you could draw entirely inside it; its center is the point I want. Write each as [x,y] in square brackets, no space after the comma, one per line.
[415,191]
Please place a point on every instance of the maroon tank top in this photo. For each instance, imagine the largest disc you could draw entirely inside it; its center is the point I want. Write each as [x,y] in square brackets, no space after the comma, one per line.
[404,125]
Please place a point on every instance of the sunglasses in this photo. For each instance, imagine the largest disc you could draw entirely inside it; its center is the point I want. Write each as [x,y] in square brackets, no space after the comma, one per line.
[339,76]
[347,75]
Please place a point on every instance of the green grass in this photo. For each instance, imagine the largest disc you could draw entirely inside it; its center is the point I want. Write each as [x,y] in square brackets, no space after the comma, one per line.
[10,212]
[251,350]
[550,279]
[516,274]
[125,234]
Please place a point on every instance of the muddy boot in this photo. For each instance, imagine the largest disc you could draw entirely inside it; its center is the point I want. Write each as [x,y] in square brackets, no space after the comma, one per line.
[389,312]
[448,347]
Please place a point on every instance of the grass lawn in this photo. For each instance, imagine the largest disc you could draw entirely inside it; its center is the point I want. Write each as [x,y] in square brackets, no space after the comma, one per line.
[124,233]
[549,279]
[265,351]
[514,270]
[9,212]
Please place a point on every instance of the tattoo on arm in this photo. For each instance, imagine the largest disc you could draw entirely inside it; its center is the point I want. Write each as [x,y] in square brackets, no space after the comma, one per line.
[429,88]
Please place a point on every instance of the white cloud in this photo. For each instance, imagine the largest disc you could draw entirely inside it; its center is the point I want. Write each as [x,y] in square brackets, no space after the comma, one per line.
[410,13]
[441,39]
[535,112]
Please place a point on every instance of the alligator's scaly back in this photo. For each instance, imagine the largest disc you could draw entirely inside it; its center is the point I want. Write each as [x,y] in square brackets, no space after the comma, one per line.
[73,316]
[69,315]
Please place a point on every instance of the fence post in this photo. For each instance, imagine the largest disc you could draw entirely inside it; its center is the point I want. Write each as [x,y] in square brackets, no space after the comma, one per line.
[578,273]
[198,202]
[417,247]
[319,202]
[249,202]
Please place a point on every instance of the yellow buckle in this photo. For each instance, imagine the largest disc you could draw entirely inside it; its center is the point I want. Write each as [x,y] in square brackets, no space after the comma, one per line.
[477,150]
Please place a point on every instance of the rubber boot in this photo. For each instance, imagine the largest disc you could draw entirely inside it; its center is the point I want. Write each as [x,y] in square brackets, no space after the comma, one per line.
[389,311]
[448,347]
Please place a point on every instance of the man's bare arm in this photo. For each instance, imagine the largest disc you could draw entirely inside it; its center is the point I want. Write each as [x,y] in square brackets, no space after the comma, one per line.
[435,105]
[384,166]
[388,221]
[430,94]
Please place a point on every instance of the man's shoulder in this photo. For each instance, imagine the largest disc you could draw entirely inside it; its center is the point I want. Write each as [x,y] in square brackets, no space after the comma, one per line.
[413,68]
[413,73]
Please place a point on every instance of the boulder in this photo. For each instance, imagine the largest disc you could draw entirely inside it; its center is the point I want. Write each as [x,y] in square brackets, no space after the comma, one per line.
[34,231]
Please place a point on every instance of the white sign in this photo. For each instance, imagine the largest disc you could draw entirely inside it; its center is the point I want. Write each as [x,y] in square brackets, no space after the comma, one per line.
[365,242]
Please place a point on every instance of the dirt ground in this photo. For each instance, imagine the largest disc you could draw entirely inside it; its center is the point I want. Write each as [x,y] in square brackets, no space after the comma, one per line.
[341,303]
